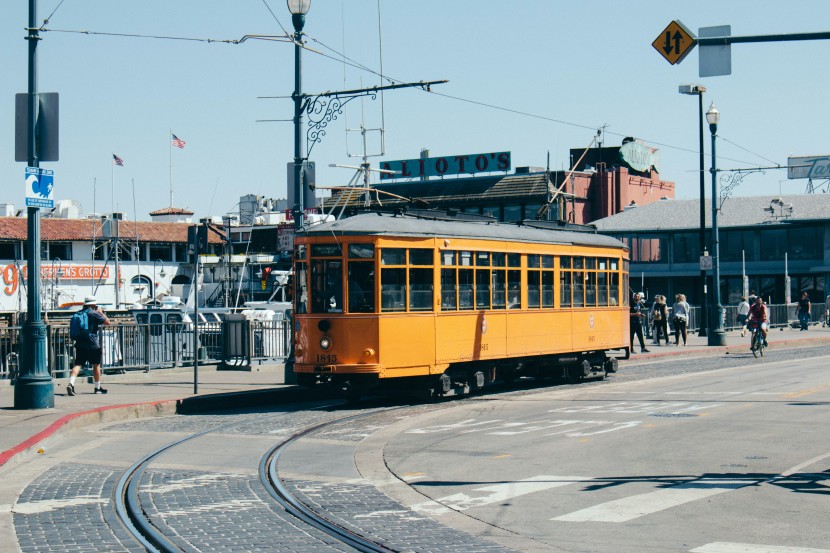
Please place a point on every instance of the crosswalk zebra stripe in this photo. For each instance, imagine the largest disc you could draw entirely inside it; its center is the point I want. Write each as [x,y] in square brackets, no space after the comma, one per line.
[628,508]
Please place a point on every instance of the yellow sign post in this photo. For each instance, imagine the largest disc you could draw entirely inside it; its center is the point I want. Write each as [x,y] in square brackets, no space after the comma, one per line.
[675,42]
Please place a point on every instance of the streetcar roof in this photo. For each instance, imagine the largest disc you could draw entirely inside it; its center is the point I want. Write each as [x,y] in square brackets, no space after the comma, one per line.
[386,224]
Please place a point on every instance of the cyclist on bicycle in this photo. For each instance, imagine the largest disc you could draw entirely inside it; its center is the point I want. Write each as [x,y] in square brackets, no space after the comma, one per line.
[759,319]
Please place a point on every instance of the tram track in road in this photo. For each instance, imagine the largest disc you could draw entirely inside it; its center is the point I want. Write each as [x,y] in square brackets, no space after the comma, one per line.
[153,536]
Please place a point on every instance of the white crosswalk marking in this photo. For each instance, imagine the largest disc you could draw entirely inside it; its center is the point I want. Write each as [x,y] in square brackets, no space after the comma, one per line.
[726,547]
[487,495]
[628,508]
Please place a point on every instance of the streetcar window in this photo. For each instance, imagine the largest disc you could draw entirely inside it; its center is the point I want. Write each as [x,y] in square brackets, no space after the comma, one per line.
[499,288]
[602,287]
[392,289]
[449,301]
[547,261]
[483,259]
[420,289]
[614,264]
[420,257]
[514,289]
[591,289]
[579,288]
[625,283]
[482,289]
[498,259]
[301,292]
[361,251]
[590,262]
[448,258]
[547,288]
[361,287]
[326,286]
[603,264]
[578,262]
[533,261]
[565,288]
[534,291]
[465,289]
[465,259]
[565,262]
[514,260]
[393,256]
[614,288]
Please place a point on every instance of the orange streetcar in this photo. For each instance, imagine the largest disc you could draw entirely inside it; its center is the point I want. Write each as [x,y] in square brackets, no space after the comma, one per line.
[442,304]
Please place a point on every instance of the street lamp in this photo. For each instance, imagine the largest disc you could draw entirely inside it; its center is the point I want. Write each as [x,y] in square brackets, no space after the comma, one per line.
[717,336]
[298,9]
[698,90]
[162,274]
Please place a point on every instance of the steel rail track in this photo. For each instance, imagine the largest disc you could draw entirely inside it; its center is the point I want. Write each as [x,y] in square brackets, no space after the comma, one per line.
[131,514]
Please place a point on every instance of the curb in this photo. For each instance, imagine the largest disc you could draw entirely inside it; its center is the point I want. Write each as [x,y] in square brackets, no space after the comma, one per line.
[706,350]
[184,406]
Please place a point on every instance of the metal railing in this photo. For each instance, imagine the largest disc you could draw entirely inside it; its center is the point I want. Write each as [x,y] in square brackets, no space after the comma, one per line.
[149,346]
[780,315]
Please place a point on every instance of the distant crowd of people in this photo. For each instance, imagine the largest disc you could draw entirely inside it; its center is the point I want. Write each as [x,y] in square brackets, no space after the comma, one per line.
[753,314]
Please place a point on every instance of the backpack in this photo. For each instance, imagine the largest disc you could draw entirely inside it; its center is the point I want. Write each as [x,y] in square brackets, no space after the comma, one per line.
[658,313]
[79,325]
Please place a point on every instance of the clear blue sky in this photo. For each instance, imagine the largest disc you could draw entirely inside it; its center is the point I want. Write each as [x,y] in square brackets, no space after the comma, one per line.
[573,66]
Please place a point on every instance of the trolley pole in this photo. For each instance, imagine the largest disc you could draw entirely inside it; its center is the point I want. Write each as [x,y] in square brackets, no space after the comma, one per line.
[34,388]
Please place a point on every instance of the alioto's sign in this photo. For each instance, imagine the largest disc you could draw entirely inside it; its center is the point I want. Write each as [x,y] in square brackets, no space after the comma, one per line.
[447,165]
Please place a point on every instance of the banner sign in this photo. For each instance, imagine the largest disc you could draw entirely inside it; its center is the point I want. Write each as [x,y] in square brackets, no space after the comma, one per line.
[812,167]
[468,164]
[11,274]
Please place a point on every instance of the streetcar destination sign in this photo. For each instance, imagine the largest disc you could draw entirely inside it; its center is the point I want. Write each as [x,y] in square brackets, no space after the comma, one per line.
[675,42]
[446,165]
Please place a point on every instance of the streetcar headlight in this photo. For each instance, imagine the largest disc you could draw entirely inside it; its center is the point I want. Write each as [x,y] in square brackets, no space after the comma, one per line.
[325,343]
[368,352]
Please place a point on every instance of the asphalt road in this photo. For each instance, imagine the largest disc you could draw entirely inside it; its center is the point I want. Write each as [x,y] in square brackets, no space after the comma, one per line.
[667,456]
[714,454]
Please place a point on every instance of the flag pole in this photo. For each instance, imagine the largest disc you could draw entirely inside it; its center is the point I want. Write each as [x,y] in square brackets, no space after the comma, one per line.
[170,148]
[112,184]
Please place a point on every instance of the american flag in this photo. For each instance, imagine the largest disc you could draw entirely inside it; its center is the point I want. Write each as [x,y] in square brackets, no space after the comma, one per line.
[178,142]
[117,160]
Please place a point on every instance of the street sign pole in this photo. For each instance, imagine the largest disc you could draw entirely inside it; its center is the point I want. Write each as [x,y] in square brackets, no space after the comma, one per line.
[34,389]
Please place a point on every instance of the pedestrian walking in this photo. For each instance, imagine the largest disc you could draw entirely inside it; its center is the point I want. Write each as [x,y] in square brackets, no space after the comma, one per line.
[804,311]
[681,312]
[654,317]
[743,313]
[827,311]
[660,316]
[83,328]
[636,316]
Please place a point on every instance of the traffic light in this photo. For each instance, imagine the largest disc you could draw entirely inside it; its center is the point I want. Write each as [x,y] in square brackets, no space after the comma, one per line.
[266,275]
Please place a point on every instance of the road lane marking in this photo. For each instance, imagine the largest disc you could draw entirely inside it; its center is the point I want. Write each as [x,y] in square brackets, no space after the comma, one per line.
[797,468]
[727,547]
[495,493]
[635,506]
[36,507]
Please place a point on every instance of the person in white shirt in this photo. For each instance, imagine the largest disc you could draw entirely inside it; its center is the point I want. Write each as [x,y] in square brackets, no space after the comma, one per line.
[743,313]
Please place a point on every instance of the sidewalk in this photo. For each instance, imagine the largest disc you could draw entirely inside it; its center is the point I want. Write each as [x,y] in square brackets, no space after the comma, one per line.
[778,338]
[170,391]
[134,395]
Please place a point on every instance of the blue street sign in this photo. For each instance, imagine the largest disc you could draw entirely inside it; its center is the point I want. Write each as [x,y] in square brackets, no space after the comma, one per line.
[39,187]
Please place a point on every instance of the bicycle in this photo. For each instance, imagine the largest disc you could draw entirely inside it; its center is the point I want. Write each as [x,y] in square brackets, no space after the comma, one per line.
[757,340]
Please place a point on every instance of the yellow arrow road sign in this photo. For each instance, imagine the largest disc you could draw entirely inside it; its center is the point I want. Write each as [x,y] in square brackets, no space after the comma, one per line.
[675,42]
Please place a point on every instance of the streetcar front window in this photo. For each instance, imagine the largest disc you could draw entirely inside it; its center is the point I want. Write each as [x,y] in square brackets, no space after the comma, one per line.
[361,287]
[326,286]
[301,292]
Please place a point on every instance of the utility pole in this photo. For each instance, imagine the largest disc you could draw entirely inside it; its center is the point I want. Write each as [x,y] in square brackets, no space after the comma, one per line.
[34,389]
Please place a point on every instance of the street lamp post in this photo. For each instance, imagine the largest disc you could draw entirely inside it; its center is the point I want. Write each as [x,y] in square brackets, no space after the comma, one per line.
[55,275]
[698,90]
[717,336]
[34,389]
[298,9]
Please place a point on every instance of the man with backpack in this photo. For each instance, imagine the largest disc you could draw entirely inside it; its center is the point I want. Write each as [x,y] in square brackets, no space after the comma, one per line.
[83,328]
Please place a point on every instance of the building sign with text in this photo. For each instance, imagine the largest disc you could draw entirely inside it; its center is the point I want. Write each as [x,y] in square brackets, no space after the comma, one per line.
[467,164]
[11,274]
